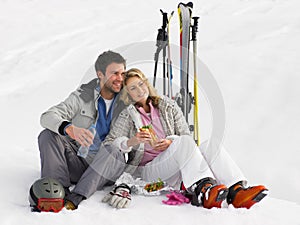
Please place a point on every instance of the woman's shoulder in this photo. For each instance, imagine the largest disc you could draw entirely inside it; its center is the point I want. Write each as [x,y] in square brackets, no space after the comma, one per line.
[166,101]
[127,111]
[121,118]
[124,112]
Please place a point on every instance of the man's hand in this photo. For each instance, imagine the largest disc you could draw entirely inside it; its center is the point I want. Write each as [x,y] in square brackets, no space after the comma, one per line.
[83,136]
[120,197]
[162,144]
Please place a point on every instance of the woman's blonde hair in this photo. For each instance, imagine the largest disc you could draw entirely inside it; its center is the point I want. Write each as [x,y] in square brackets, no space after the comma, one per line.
[125,97]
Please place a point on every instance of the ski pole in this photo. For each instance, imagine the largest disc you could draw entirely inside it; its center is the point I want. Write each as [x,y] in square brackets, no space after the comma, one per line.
[169,65]
[165,39]
[159,43]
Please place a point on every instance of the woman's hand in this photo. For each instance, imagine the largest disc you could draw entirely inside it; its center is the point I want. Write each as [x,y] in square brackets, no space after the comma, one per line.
[162,144]
[139,137]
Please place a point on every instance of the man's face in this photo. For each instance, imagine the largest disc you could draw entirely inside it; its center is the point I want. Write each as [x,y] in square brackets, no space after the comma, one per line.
[113,79]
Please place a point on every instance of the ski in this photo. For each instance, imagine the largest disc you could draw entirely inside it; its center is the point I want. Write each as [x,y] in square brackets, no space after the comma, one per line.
[184,98]
[196,87]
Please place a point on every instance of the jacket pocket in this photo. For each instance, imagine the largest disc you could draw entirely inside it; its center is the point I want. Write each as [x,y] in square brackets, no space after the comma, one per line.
[85,117]
[87,113]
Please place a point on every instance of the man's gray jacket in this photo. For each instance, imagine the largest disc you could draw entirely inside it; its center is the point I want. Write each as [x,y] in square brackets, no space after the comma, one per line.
[79,109]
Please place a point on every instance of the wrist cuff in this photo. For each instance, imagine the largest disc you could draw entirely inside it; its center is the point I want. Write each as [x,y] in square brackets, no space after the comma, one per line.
[123,185]
[62,127]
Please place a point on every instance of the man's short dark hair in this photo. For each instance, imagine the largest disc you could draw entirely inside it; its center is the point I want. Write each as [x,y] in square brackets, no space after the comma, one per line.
[107,58]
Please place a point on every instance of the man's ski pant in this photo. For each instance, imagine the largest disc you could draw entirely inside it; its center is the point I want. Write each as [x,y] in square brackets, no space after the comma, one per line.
[183,161]
[59,160]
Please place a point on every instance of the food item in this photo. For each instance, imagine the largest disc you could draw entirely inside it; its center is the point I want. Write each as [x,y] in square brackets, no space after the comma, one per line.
[154,186]
[149,128]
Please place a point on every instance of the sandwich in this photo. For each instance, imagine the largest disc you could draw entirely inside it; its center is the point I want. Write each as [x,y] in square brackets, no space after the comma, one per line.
[150,130]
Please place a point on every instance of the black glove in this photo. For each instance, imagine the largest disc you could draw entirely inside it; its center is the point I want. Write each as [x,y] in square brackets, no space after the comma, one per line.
[119,197]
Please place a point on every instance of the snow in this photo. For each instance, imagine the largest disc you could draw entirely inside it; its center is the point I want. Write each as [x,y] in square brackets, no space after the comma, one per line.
[251,48]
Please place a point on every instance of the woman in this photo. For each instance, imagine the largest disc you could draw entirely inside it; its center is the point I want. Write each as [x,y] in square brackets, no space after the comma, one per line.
[173,155]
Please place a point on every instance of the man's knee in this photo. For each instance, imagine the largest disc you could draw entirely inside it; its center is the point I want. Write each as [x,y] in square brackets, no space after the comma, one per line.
[46,139]
[45,136]
[114,152]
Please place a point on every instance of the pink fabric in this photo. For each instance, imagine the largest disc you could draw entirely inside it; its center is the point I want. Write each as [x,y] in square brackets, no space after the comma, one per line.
[154,119]
[175,198]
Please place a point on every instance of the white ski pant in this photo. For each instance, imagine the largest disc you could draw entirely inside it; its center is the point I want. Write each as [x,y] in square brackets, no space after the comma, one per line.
[183,161]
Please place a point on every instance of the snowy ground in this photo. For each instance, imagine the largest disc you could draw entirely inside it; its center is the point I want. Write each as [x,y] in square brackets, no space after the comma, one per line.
[251,48]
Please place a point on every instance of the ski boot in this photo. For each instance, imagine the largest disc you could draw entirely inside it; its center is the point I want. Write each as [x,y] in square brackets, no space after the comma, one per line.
[207,192]
[241,197]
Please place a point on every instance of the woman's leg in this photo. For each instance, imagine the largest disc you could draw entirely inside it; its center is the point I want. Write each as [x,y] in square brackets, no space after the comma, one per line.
[181,161]
[224,169]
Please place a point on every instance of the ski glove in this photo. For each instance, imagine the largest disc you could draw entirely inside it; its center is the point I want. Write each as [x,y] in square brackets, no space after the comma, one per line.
[119,197]
[175,198]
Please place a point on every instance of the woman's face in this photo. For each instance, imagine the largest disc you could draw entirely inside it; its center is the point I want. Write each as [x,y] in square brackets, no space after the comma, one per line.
[137,89]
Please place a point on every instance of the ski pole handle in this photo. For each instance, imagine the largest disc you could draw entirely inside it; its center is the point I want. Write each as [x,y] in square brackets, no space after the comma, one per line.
[195,28]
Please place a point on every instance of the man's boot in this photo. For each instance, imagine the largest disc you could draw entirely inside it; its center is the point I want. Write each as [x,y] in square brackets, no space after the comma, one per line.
[73,200]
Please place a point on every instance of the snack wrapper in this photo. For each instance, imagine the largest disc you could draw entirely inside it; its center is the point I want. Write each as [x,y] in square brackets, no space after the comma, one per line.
[149,128]
[139,186]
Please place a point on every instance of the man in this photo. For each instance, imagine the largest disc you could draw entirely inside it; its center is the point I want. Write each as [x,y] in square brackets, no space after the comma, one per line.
[66,129]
